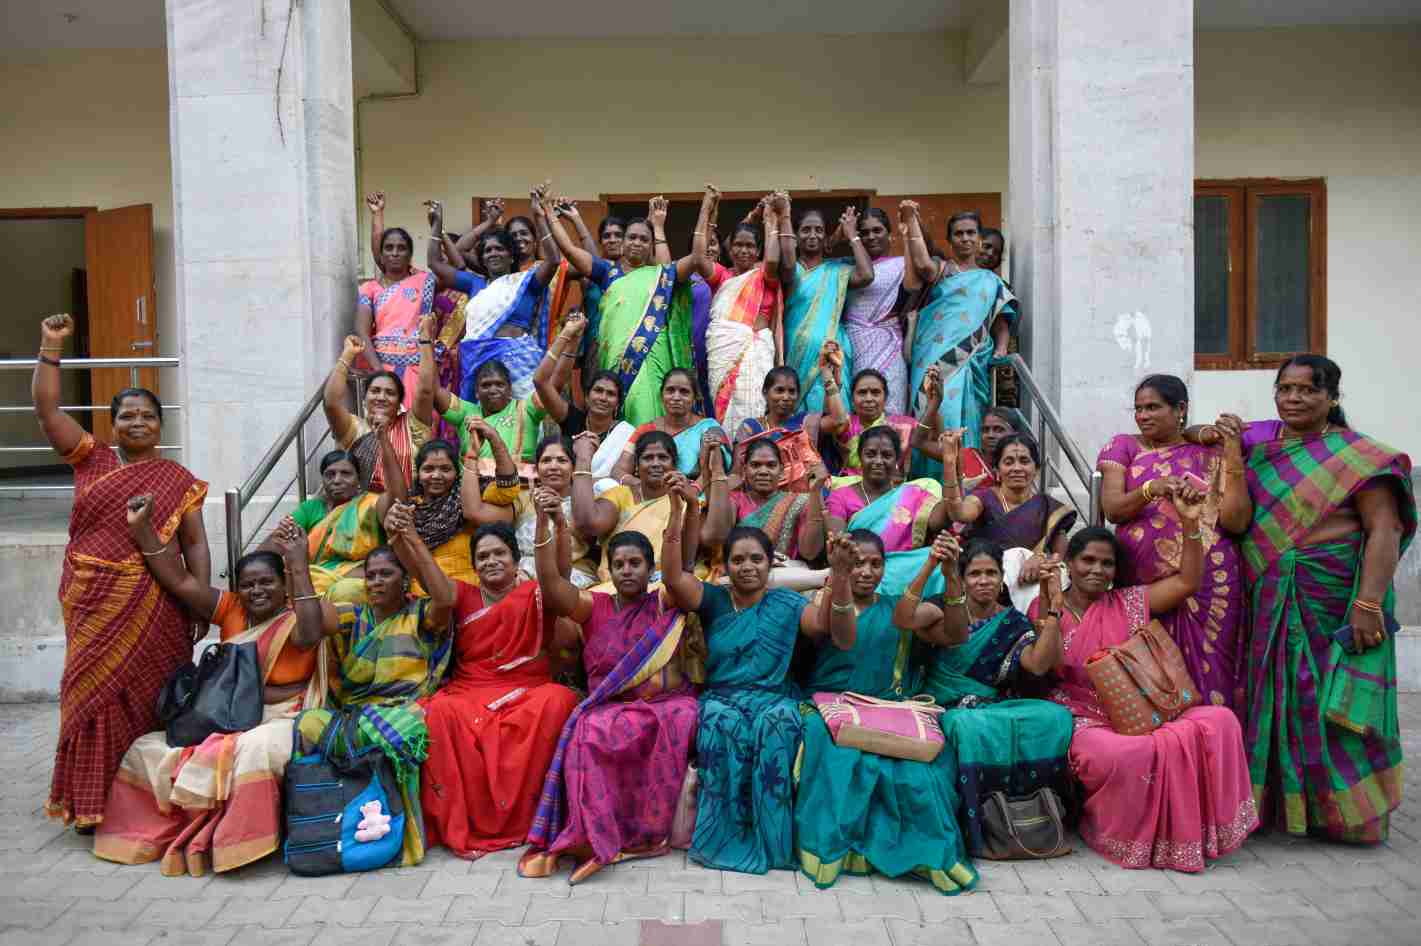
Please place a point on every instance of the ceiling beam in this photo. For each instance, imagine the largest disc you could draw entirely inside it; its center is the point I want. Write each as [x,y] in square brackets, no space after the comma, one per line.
[382,52]
[986,57]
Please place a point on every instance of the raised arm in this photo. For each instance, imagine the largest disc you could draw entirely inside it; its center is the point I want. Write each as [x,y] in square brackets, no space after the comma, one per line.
[584,235]
[863,264]
[591,516]
[445,273]
[168,569]
[428,380]
[551,377]
[192,536]
[471,490]
[720,511]
[62,431]
[561,597]
[697,261]
[551,255]
[375,203]
[923,268]
[336,390]
[831,365]
[490,213]
[959,508]
[683,589]
[776,225]
[835,613]
[788,243]
[414,554]
[927,432]
[364,327]
[811,522]
[391,470]
[1168,593]
[941,627]
[1235,504]
[580,258]
[1045,653]
[315,616]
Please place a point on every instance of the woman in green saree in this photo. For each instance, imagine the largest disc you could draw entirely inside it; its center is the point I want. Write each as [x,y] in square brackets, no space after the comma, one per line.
[643,325]
[750,722]
[984,658]
[390,650]
[856,811]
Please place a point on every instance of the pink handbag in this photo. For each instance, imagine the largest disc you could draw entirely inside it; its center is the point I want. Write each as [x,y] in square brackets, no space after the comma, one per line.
[899,729]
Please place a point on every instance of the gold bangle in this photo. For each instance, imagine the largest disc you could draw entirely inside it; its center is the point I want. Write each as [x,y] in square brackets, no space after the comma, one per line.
[910,593]
[51,348]
[1366,605]
[1145,490]
[584,473]
[342,364]
[960,600]
[838,608]
[1195,536]
[161,550]
[854,239]
[538,545]
[310,597]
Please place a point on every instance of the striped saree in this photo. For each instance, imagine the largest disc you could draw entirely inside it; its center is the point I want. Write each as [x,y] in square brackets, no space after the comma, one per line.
[1324,747]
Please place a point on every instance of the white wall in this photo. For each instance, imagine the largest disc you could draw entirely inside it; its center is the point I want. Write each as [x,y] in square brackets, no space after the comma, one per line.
[1344,105]
[89,128]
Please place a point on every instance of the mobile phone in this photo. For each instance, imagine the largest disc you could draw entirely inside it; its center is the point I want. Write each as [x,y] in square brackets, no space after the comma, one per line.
[1195,482]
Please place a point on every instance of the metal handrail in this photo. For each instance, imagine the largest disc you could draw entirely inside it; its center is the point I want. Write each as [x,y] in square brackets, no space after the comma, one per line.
[1047,420]
[26,364]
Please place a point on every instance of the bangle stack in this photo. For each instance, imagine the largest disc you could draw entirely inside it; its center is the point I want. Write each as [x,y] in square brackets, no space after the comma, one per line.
[310,597]
[1194,536]
[1145,491]
[1370,606]
[505,482]
[959,601]
[838,608]
[538,545]
[577,473]
[161,549]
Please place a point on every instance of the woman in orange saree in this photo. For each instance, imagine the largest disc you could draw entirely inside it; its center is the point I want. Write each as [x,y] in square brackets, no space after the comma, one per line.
[124,636]
[216,805]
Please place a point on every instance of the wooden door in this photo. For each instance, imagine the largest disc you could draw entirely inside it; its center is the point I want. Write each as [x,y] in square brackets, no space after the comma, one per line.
[118,255]
[936,209]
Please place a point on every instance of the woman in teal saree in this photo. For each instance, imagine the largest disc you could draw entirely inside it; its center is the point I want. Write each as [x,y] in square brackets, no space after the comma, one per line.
[859,812]
[814,288]
[750,723]
[962,326]
[985,657]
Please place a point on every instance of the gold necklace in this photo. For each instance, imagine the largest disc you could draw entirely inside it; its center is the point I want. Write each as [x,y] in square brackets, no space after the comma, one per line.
[1007,505]
[1326,428]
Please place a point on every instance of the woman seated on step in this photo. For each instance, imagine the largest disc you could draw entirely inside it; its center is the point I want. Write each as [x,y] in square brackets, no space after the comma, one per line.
[795,432]
[690,431]
[217,805]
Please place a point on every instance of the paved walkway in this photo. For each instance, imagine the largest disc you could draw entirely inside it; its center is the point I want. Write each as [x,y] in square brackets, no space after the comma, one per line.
[1274,892]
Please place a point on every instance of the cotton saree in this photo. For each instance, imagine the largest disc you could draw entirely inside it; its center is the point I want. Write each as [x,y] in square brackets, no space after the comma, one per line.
[858,812]
[380,668]
[124,636]
[215,806]
[954,332]
[513,300]
[407,435]
[1208,626]
[749,733]
[644,330]
[779,517]
[799,454]
[338,544]
[615,779]
[813,311]
[739,356]
[649,517]
[519,424]
[999,743]
[493,726]
[1035,524]
[1172,798]
[394,334]
[851,467]
[871,323]
[1324,745]
[901,517]
[688,444]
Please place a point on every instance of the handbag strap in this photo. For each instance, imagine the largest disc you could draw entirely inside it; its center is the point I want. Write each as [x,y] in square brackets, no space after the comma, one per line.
[923,702]
[1000,798]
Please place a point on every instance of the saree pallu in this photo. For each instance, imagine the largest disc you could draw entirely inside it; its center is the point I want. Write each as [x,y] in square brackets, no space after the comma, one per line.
[798,452]
[339,544]
[493,726]
[871,323]
[1207,625]
[779,517]
[1035,524]
[858,812]
[812,316]
[407,435]
[900,517]
[688,445]
[738,356]
[381,668]
[644,331]
[449,311]
[490,310]
[850,436]
[749,733]
[621,759]
[216,805]
[124,636]
[1325,753]
[394,332]
[955,332]
[1000,744]
[1171,798]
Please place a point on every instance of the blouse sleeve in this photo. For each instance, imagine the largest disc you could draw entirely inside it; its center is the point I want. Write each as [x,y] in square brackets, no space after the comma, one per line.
[1257,432]
[838,506]
[715,602]
[1120,450]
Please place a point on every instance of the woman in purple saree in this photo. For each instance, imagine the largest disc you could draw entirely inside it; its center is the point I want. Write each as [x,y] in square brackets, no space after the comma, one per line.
[1141,475]
[611,791]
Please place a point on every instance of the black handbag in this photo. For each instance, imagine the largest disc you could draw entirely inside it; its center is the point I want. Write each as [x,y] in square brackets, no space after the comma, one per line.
[222,693]
[1027,828]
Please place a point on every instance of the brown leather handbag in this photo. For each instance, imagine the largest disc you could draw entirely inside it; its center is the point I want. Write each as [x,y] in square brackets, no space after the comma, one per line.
[1026,828]
[1143,683]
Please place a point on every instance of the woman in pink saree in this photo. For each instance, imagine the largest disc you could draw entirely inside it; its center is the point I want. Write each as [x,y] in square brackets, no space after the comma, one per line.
[1171,798]
[1141,473]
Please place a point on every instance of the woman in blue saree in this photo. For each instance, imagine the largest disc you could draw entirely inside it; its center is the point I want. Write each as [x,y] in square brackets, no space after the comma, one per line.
[750,723]
[679,419]
[859,812]
[814,288]
[984,657]
[962,326]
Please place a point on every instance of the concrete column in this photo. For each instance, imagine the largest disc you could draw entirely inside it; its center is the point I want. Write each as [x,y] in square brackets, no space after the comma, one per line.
[1100,208]
[262,123]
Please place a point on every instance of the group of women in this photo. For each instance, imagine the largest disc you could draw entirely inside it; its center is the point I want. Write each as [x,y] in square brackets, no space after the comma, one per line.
[597,624]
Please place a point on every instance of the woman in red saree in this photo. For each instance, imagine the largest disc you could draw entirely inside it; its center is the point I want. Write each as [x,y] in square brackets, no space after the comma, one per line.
[124,636]
[217,805]
[1171,798]
[494,725]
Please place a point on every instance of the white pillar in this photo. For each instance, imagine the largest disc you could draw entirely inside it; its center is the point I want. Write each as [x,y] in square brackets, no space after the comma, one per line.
[1100,206]
[264,219]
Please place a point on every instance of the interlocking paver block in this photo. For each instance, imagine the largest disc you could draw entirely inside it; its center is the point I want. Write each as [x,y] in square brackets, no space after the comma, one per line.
[667,907]
[85,886]
[781,881]
[785,933]
[32,914]
[1179,933]
[1276,932]
[1108,933]
[584,904]
[744,908]
[1182,906]
[343,911]
[240,911]
[183,914]
[945,933]
[332,885]
[837,933]
[509,908]
[459,885]
[695,880]
[964,906]
[1022,907]
[399,910]
[368,936]
[1351,903]
[1030,933]
[599,934]
[1099,908]
[415,934]
[819,905]
[408,884]
[496,934]
[901,905]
